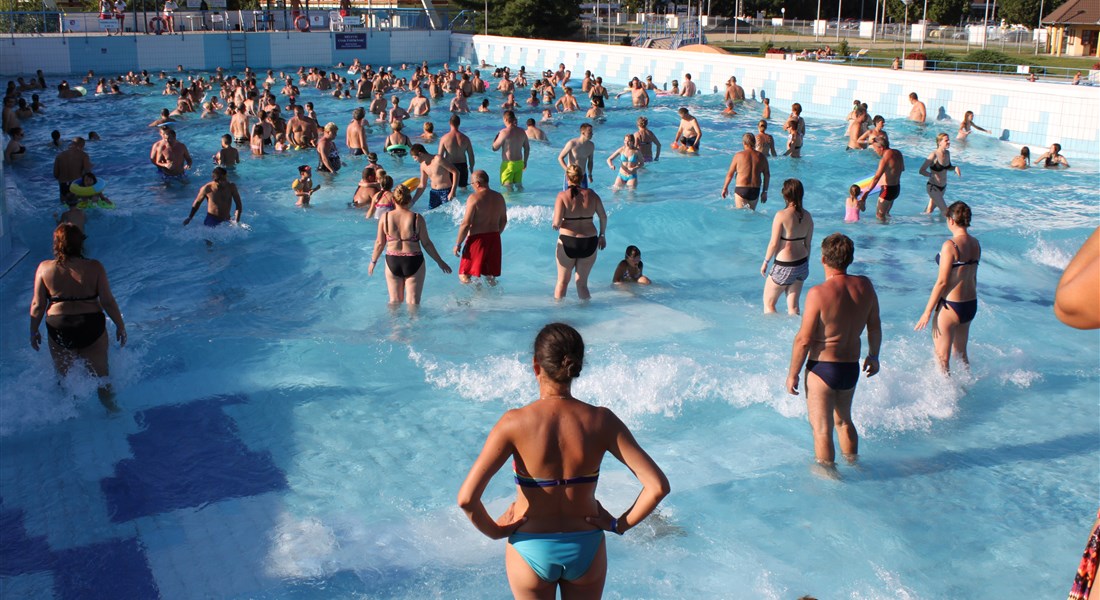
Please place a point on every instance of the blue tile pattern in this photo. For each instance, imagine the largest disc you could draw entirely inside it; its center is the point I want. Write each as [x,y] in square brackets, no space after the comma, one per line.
[167,474]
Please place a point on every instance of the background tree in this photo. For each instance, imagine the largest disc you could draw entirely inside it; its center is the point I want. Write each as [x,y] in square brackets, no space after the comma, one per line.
[547,19]
[1025,12]
[945,12]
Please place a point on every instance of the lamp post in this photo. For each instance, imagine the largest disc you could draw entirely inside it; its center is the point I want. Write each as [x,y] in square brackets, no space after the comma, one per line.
[838,5]
[1037,33]
[923,25]
[905,27]
[817,20]
[486,17]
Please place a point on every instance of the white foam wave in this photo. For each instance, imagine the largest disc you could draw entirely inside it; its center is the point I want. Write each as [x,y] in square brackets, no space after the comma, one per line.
[637,386]
[32,400]
[1047,254]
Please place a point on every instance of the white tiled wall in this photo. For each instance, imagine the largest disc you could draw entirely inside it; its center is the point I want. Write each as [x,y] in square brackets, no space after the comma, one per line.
[1035,114]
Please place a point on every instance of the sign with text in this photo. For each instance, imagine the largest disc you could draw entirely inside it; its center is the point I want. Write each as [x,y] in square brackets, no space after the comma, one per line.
[351,41]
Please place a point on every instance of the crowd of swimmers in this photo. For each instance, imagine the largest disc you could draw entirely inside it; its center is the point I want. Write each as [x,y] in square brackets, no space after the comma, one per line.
[72,292]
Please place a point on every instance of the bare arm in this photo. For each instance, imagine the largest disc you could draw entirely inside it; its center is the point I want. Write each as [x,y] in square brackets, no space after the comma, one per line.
[948,255]
[110,306]
[526,150]
[927,163]
[237,202]
[196,204]
[802,339]
[773,245]
[655,484]
[559,208]
[874,180]
[603,219]
[429,247]
[493,455]
[874,334]
[612,157]
[729,176]
[38,307]
[565,152]
[379,246]
[1077,300]
[467,224]
[620,271]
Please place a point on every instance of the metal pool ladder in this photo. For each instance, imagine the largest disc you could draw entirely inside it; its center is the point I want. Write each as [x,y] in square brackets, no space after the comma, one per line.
[238,50]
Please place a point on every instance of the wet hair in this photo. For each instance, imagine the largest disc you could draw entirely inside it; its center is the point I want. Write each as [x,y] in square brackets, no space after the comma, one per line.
[959,212]
[509,117]
[417,149]
[792,193]
[632,251]
[385,182]
[942,136]
[559,352]
[227,139]
[837,251]
[219,173]
[1057,148]
[530,122]
[643,122]
[854,190]
[358,113]
[368,174]
[68,242]
[878,119]
[455,120]
[762,125]
[401,196]
[912,95]
[573,174]
[429,126]
[1025,152]
[796,108]
[372,156]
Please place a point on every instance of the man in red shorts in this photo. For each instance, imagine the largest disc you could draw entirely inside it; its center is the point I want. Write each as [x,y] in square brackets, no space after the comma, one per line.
[486,217]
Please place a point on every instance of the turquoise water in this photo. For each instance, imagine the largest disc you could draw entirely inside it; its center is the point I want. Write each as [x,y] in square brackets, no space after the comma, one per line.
[363,420]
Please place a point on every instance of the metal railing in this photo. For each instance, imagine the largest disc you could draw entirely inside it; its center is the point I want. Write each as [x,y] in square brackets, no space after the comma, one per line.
[137,21]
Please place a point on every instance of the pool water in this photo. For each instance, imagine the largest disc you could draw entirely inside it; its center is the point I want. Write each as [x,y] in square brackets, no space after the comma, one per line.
[286,434]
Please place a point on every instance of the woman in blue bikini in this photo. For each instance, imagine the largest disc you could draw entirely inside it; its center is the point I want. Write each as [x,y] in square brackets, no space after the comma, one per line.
[630,162]
[555,528]
[954,299]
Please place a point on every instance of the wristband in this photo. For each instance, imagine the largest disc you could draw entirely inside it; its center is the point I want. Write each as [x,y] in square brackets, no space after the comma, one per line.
[615,526]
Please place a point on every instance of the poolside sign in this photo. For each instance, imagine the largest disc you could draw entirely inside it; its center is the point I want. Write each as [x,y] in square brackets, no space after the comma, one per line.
[351,41]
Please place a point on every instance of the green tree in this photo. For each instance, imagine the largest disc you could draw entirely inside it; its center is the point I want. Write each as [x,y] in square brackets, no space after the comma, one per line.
[1026,12]
[548,19]
[946,12]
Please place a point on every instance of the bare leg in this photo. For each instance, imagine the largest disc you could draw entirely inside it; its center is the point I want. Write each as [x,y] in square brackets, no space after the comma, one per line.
[590,585]
[846,433]
[883,210]
[793,292]
[96,356]
[820,405]
[962,336]
[525,584]
[565,269]
[491,280]
[414,286]
[772,290]
[584,267]
[396,287]
[943,335]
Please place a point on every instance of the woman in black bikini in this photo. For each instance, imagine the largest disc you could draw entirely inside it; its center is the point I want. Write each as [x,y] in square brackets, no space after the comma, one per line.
[404,236]
[954,299]
[578,240]
[935,168]
[792,232]
[72,292]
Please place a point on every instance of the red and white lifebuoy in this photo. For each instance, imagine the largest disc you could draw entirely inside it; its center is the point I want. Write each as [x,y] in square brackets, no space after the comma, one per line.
[158,25]
[302,23]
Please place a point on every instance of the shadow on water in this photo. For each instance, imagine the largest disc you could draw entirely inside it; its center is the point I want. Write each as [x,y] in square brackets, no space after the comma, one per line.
[954,460]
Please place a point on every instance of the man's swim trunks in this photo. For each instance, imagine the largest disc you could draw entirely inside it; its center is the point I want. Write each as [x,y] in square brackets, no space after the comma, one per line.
[890,192]
[511,171]
[213,220]
[481,255]
[437,198]
[463,174]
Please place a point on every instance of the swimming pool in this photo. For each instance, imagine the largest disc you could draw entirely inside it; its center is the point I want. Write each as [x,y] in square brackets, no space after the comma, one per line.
[286,434]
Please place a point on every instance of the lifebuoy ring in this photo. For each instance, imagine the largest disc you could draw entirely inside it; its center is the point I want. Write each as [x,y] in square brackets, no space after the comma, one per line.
[302,24]
[158,25]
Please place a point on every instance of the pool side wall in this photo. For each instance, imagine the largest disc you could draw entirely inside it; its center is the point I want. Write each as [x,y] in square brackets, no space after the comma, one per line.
[206,51]
[1017,111]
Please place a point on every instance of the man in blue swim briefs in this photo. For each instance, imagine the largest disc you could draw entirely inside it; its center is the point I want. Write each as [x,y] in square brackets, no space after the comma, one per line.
[833,320]
[217,194]
[440,172]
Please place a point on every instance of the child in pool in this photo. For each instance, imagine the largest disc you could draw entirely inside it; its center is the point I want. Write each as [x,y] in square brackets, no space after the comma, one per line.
[630,268]
[89,181]
[853,206]
[484,106]
[303,186]
[794,142]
